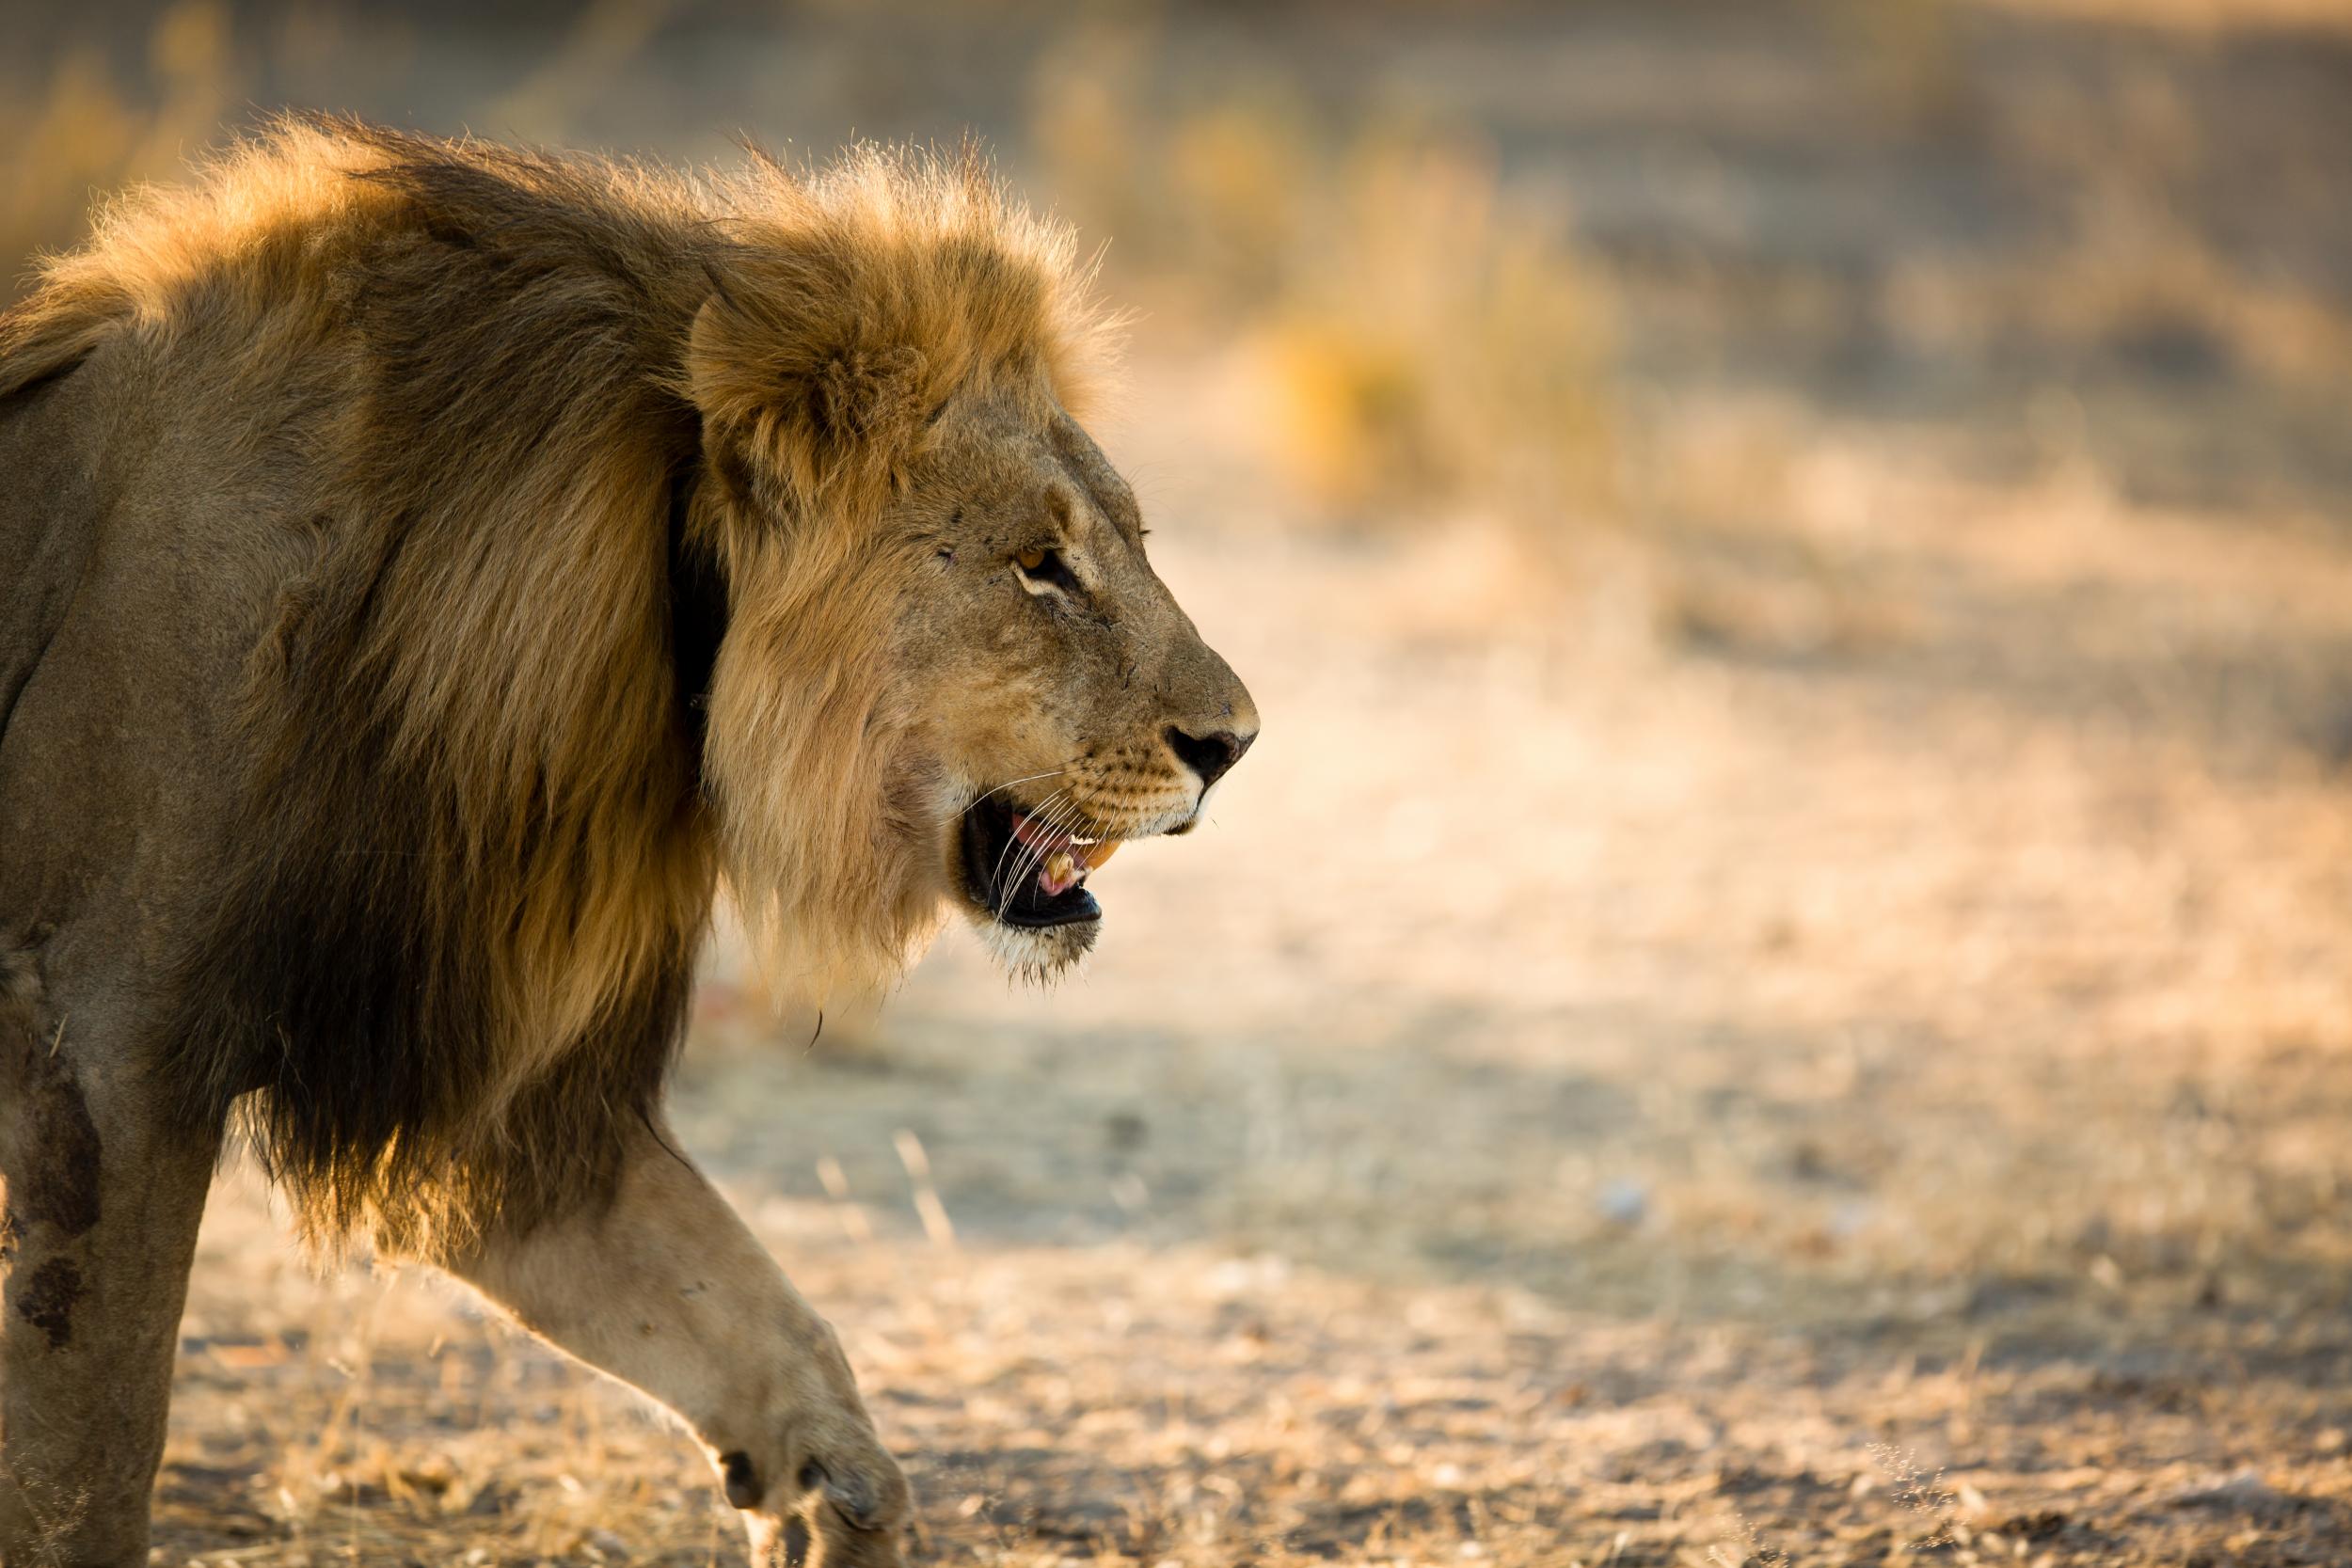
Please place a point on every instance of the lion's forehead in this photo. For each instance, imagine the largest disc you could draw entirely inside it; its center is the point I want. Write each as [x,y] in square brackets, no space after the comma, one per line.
[1103,487]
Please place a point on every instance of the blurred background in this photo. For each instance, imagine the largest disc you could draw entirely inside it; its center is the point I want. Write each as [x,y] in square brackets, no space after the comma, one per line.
[1775,989]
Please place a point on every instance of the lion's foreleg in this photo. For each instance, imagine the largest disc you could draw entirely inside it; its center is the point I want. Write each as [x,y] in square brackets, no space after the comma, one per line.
[668,1291]
[100,1194]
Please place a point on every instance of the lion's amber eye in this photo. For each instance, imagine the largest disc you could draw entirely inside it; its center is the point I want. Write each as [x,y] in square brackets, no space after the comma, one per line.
[1043,568]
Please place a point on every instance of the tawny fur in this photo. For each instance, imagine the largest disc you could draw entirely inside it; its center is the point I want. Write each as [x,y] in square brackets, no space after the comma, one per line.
[491,369]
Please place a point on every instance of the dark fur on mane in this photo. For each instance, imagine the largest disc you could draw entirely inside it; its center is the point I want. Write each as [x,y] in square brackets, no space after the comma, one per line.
[357,973]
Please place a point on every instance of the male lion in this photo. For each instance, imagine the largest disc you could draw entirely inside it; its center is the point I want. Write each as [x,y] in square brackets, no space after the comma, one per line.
[425,570]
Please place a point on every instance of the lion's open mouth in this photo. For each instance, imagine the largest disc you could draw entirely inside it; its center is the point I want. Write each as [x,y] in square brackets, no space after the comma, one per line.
[1026,873]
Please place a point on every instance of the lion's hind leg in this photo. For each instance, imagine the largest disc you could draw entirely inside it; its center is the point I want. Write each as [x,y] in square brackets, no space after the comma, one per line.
[102,1196]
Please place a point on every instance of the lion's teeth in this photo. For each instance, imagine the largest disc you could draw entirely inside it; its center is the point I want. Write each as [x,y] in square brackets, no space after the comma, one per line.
[1062,872]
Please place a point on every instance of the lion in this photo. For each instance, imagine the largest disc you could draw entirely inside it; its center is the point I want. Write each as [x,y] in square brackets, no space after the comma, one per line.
[430,572]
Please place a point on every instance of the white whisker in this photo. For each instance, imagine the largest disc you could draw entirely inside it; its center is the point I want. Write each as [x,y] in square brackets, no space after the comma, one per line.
[1013,837]
[1008,885]
[1054,817]
[1049,773]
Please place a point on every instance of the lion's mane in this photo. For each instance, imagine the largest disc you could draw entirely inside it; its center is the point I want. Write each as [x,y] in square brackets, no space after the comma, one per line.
[582,465]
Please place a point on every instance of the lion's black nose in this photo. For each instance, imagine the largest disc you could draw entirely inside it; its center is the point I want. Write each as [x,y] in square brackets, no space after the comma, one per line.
[1208,755]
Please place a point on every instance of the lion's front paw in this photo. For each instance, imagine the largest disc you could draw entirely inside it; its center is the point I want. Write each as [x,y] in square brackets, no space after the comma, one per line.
[838,1501]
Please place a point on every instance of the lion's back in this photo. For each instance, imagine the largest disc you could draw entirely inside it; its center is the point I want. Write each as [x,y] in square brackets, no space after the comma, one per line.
[177,398]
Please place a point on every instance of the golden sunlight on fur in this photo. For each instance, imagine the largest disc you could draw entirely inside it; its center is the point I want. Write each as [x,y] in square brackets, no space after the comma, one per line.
[517,674]
[432,570]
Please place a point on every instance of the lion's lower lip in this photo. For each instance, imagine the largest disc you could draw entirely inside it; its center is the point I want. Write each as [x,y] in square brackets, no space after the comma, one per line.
[1021,875]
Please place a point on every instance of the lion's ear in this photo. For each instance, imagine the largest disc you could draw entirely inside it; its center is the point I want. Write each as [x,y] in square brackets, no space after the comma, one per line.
[805,417]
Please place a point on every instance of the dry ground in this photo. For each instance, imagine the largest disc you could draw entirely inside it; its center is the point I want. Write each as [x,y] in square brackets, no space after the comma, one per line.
[1758,1097]
[1822,1037]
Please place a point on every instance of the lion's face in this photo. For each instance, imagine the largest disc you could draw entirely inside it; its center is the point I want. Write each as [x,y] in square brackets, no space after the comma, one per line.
[1066,703]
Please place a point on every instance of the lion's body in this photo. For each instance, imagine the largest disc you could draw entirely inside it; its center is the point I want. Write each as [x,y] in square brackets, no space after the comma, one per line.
[391,504]
[393,658]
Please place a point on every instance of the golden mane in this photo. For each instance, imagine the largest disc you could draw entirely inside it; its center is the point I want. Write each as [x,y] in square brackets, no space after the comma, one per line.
[581,466]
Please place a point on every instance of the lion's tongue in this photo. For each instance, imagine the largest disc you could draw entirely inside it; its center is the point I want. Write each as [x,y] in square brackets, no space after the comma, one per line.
[1063,862]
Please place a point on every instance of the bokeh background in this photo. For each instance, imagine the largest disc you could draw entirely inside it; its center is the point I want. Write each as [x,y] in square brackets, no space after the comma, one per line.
[1775,989]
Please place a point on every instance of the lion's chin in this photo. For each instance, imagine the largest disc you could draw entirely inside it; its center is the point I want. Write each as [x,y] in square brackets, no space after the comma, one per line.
[1036,954]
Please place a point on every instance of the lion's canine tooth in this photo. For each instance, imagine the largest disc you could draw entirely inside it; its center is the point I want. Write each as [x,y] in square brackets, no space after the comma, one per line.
[1101,850]
[1060,870]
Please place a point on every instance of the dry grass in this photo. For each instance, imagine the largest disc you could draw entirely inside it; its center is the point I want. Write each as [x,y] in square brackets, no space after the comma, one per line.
[1428,348]
[76,133]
